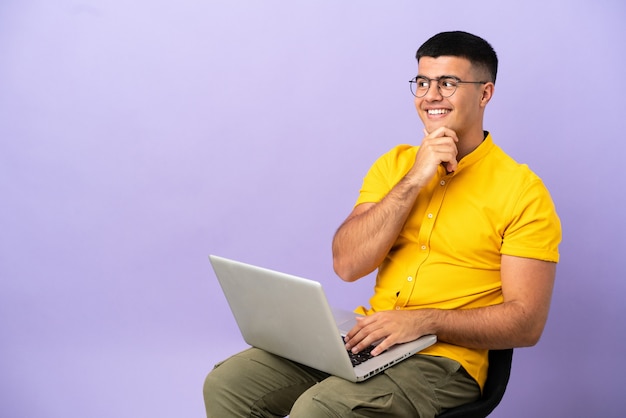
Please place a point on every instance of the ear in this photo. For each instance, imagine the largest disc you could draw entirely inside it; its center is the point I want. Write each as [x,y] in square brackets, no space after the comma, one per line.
[487,94]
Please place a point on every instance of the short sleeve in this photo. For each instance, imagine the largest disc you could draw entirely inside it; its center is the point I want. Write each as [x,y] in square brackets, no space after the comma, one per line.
[535,228]
[385,173]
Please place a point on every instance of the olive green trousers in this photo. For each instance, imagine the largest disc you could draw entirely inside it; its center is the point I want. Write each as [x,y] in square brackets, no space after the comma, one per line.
[255,383]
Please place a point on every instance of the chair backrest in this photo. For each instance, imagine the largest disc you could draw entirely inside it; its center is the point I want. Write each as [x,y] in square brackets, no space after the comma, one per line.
[497,379]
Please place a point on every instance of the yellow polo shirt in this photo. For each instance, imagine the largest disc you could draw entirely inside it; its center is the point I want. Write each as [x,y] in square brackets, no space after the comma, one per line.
[448,254]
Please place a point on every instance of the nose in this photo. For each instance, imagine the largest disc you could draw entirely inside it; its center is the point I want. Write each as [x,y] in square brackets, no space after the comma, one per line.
[433,94]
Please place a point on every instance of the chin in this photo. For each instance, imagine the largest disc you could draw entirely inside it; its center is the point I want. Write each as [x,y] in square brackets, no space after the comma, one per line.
[431,126]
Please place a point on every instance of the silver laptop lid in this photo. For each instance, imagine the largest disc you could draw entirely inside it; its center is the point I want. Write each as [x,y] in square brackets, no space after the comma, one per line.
[283,314]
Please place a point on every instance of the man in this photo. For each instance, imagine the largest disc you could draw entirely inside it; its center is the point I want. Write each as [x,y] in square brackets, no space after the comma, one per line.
[465,241]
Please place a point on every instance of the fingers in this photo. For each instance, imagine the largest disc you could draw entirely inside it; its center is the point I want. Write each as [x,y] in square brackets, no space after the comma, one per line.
[370,330]
[355,335]
[385,329]
[442,132]
[358,337]
[439,147]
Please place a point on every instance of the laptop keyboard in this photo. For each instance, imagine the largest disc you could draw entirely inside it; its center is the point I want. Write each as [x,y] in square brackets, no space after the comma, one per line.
[362,356]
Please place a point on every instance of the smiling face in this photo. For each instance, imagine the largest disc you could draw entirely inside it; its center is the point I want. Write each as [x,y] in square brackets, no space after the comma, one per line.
[463,111]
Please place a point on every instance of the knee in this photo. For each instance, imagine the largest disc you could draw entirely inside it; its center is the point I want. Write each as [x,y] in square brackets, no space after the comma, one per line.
[219,396]
[210,387]
[210,392]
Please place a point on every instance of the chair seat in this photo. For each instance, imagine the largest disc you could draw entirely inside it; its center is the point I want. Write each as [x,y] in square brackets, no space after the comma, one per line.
[495,386]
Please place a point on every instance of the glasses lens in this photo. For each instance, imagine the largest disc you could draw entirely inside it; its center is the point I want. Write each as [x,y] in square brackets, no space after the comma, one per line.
[447,86]
[419,86]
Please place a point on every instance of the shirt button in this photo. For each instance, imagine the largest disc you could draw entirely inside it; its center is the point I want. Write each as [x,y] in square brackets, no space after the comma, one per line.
[442,182]
[430,216]
[397,308]
[409,278]
[423,247]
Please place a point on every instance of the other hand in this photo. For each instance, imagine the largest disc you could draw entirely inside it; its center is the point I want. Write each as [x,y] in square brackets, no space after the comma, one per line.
[388,327]
[438,147]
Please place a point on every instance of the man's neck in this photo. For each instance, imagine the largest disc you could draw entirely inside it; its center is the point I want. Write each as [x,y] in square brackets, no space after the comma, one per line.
[468,143]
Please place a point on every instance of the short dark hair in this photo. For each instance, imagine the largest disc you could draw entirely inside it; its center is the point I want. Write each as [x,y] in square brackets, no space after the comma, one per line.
[464,45]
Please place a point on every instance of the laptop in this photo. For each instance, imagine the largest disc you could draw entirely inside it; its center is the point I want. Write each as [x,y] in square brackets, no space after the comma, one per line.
[289,316]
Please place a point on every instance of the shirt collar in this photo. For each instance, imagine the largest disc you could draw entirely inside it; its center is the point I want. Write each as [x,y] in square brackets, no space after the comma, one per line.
[470,159]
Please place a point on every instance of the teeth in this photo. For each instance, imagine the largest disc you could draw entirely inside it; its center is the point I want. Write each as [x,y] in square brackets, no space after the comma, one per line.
[437,111]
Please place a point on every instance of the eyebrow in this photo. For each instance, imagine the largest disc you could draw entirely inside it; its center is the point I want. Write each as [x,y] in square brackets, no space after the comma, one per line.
[441,76]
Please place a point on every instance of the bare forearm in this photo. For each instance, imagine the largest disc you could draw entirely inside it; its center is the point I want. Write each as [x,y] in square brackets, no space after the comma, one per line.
[495,327]
[363,240]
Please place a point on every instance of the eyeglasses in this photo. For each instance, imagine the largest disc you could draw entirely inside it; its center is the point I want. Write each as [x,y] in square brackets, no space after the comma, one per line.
[447,85]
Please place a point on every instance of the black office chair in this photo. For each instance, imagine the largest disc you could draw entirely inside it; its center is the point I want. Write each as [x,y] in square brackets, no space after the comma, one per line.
[497,379]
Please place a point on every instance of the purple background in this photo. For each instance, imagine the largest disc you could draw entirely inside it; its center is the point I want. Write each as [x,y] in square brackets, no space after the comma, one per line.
[137,137]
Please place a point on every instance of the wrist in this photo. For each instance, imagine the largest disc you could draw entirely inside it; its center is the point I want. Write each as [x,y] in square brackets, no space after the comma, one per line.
[412,184]
[428,321]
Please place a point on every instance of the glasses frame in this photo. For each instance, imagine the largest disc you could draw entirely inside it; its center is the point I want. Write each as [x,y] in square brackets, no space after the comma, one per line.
[438,79]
